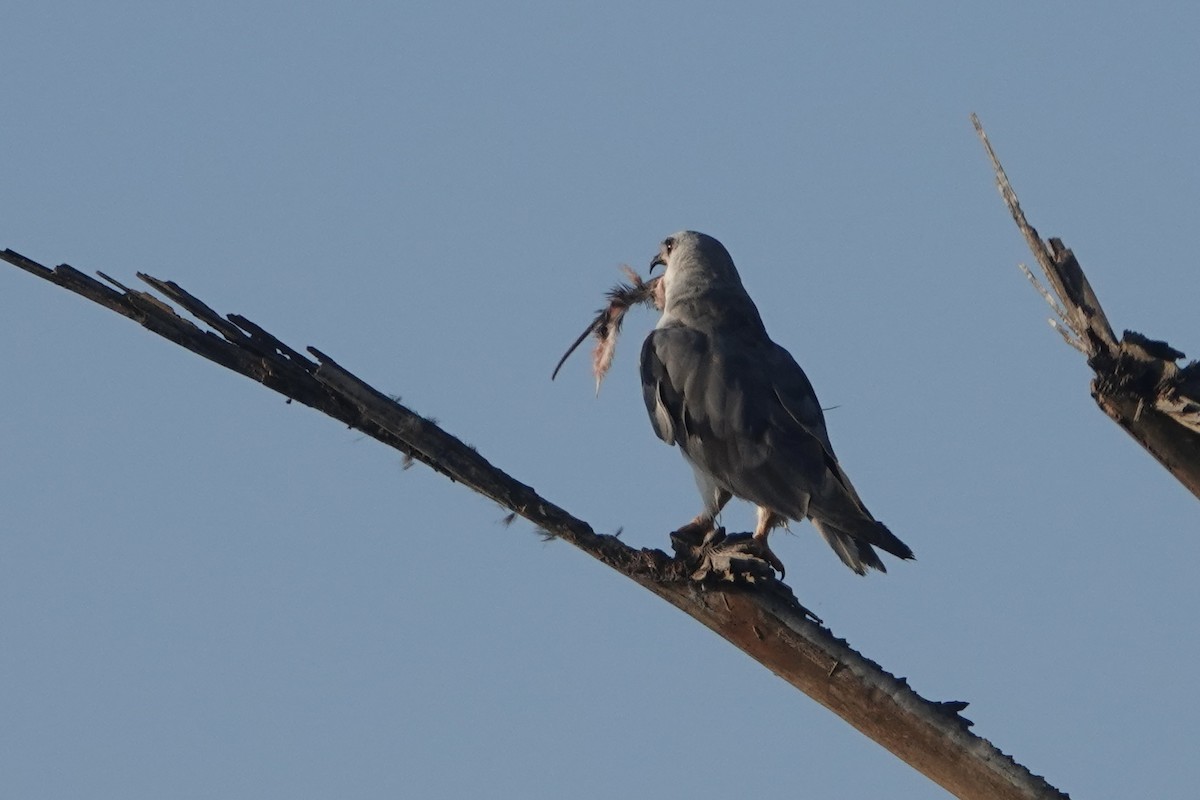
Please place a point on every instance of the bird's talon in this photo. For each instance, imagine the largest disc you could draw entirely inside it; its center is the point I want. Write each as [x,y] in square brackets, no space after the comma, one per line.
[763,551]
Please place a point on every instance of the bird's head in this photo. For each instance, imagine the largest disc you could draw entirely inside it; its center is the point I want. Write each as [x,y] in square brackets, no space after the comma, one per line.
[694,263]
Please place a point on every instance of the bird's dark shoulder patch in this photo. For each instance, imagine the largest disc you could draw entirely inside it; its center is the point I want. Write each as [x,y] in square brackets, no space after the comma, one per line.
[669,356]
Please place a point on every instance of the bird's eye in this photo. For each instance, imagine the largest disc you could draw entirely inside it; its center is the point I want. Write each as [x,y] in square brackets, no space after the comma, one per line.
[668,244]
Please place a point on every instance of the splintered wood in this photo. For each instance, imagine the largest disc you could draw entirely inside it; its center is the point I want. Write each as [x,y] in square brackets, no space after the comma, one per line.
[1137,380]
[606,326]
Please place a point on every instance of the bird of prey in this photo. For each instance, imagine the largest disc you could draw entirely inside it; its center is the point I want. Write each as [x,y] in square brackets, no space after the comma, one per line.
[744,413]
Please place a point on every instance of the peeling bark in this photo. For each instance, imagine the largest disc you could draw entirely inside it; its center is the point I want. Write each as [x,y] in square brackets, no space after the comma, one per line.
[737,598]
[1137,380]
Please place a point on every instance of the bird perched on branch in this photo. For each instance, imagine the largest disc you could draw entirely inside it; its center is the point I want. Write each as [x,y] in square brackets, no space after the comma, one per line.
[743,412]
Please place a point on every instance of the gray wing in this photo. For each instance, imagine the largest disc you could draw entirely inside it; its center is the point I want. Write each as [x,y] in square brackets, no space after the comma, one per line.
[715,400]
[699,400]
[745,413]
[836,509]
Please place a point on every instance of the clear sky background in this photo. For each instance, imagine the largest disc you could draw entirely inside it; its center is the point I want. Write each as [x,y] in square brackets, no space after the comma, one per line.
[205,592]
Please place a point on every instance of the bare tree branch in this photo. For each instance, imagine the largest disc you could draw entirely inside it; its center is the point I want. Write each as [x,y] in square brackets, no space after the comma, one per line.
[762,617]
[1137,383]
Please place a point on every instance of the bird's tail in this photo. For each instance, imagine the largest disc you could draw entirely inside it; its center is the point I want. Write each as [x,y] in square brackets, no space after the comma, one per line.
[854,548]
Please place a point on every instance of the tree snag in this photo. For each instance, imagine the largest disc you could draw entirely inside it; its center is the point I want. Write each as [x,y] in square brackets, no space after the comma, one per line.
[1137,382]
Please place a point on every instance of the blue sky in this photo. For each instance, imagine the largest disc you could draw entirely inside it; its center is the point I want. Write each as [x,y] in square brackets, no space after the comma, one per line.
[205,592]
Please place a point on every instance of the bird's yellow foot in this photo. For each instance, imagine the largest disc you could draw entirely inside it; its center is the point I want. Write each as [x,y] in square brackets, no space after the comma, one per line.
[736,557]
[759,547]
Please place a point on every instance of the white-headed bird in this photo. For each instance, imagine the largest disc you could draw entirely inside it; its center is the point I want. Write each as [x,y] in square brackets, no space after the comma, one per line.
[744,413]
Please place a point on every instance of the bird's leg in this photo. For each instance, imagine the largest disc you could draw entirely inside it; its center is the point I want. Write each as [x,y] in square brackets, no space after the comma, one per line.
[767,521]
[706,521]
[740,557]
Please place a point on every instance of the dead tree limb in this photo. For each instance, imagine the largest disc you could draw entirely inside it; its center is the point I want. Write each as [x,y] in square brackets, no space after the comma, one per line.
[1138,382]
[762,617]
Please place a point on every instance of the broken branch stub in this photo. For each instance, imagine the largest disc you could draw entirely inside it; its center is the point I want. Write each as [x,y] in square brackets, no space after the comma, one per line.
[1137,381]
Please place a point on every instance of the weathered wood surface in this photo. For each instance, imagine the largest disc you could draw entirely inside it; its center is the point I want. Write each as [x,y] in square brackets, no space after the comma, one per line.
[1137,380]
[753,611]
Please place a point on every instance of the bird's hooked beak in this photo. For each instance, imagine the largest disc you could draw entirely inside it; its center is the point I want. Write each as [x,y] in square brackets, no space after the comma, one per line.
[664,250]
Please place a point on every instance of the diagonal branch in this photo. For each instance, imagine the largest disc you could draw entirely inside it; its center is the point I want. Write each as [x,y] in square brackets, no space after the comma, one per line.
[761,617]
[1137,380]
